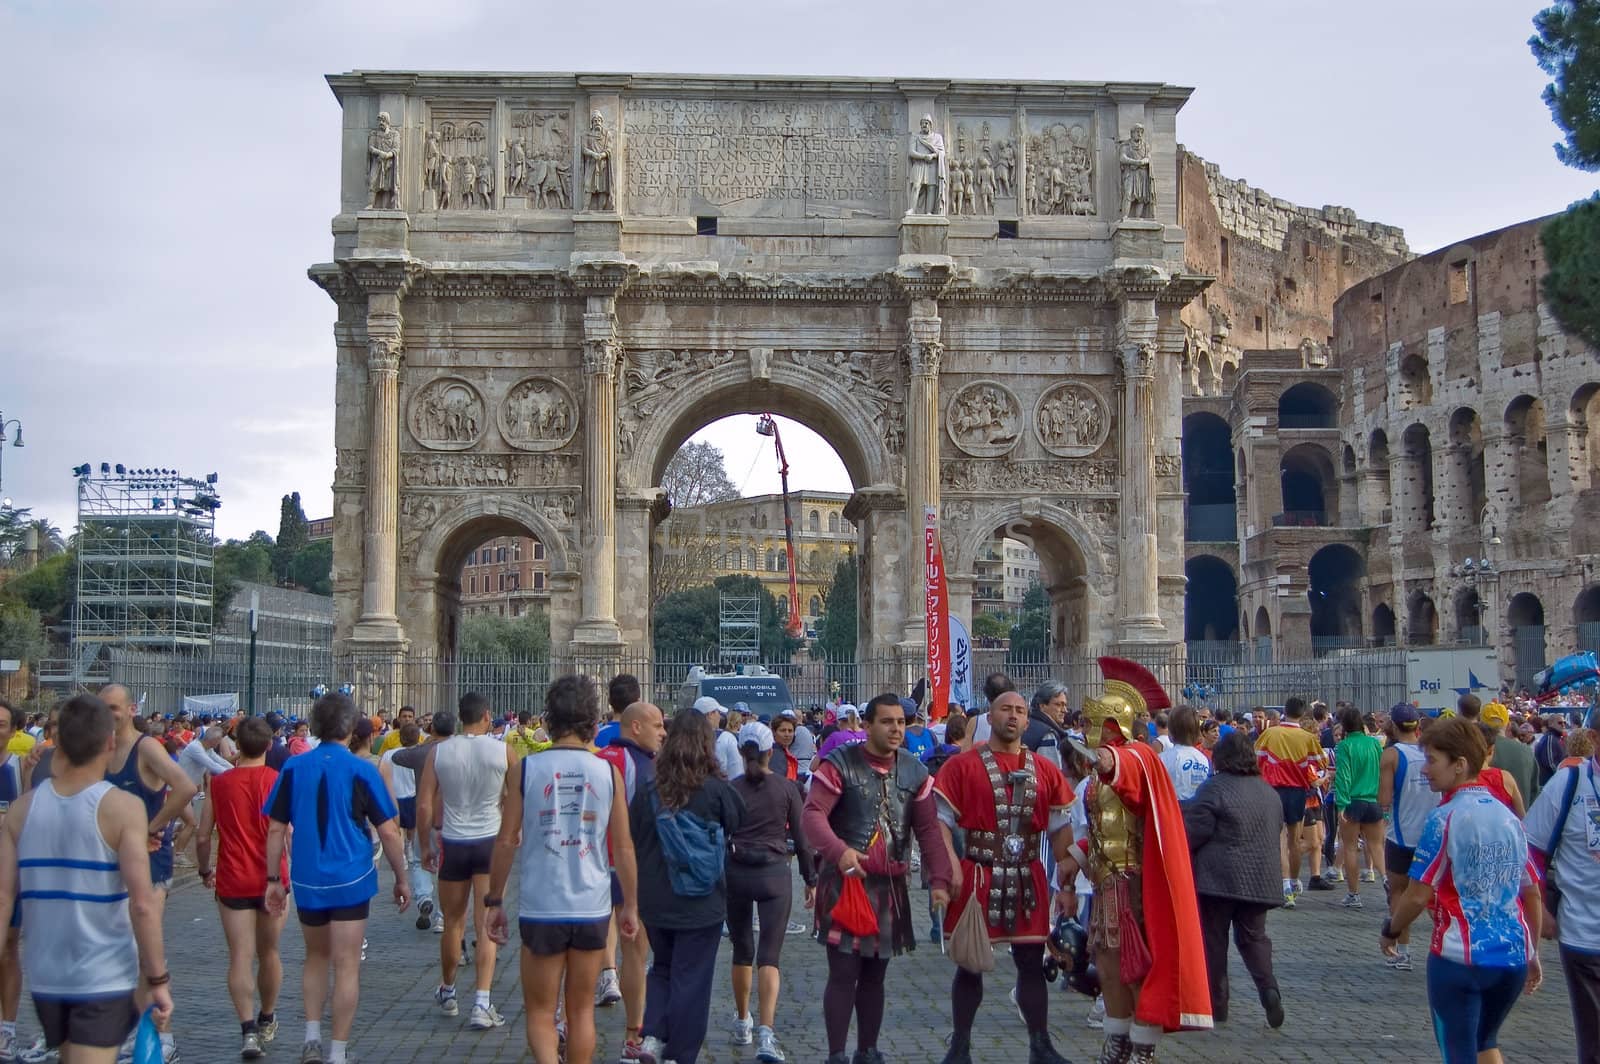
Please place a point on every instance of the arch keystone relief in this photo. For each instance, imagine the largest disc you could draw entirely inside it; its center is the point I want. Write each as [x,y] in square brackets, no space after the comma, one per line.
[573,274]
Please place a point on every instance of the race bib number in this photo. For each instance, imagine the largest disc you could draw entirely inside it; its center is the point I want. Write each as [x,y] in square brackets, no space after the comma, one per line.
[1592,808]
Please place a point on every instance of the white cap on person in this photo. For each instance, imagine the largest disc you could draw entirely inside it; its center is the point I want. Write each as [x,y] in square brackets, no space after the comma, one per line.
[757,733]
[707,705]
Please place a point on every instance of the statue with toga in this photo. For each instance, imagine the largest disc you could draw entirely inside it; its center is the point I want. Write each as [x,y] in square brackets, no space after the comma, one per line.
[1138,190]
[929,173]
[383,166]
[597,166]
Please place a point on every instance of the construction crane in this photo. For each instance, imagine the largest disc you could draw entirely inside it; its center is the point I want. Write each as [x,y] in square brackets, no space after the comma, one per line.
[766,426]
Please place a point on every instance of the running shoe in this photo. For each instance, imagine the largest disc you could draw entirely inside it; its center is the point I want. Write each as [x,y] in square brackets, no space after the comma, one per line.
[8,1047]
[1318,883]
[1399,963]
[446,1000]
[485,1018]
[424,911]
[767,1046]
[438,922]
[1369,876]
[268,1031]
[631,1050]
[1097,1014]
[607,992]
[1288,899]
[1333,875]
[650,1050]
[1352,901]
[40,1053]
[251,1048]
[743,1030]
[311,1053]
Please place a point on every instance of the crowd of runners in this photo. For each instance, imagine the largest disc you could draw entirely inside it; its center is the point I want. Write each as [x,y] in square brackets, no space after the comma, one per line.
[1114,847]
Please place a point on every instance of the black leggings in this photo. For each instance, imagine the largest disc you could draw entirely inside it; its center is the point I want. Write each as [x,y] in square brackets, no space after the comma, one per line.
[769,890]
[854,983]
[966,992]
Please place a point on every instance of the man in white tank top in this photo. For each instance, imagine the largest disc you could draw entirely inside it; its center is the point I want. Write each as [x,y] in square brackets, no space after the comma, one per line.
[458,794]
[1406,800]
[564,809]
[94,919]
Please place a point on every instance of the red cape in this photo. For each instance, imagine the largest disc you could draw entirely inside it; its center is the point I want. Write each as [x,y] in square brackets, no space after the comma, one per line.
[1175,994]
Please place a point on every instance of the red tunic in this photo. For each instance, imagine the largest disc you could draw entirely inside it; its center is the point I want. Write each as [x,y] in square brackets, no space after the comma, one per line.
[963,783]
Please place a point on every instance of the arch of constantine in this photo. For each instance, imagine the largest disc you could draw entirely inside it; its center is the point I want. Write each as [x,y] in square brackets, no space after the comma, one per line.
[547,282]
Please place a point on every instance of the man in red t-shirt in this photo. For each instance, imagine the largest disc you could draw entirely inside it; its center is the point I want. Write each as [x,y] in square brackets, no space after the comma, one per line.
[233,807]
[1006,799]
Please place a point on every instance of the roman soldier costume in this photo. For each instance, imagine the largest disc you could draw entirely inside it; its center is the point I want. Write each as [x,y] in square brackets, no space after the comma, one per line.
[873,805]
[1008,804]
[1145,926]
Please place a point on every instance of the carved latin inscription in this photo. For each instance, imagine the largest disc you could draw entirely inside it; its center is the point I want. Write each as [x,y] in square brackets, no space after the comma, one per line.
[785,158]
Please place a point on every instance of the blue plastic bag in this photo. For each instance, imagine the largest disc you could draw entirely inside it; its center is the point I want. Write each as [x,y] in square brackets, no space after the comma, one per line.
[147,1042]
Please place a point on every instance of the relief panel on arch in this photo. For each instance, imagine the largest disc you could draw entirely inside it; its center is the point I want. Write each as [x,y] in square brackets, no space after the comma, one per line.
[1061,176]
[984,165]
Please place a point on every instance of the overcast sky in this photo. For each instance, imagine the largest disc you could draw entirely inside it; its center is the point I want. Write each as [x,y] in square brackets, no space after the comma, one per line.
[172,172]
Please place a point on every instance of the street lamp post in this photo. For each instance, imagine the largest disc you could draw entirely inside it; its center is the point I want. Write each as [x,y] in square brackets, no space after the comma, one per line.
[4,425]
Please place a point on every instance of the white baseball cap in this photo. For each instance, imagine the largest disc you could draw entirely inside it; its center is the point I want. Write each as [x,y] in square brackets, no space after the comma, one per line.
[757,733]
[848,709]
[707,705]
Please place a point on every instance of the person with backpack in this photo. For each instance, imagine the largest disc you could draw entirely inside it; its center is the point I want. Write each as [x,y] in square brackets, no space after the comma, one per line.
[1562,838]
[682,821]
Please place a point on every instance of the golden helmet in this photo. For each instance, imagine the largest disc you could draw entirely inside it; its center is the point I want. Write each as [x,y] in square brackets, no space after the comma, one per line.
[1130,690]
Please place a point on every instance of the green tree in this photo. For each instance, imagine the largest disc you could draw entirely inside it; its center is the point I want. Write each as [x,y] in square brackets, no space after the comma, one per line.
[48,588]
[489,637]
[1567,47]
[14,521]
[1571,284]
[313,567]
[293,532]
[21,633]
[836,628]
[990,625]
[1030,636]
[686,622]
[689,550]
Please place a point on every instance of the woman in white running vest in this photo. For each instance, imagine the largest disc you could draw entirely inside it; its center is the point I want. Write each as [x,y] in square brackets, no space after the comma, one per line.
[568,808]
[1405,800]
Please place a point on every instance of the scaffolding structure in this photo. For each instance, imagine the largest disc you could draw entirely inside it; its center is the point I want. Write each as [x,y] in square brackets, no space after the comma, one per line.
[739,627]
[145,551]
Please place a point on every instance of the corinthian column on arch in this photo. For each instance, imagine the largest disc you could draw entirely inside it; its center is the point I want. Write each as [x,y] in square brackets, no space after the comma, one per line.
[1139,613]
[925,353]
[602,358]
[379,625]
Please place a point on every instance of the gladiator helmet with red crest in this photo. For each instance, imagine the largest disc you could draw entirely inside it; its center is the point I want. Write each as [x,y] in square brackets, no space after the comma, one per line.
[1131,690]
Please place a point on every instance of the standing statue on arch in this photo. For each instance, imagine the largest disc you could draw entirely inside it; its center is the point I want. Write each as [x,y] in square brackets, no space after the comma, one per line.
[597,166]
[383,166]
[929,183]
[1138,188]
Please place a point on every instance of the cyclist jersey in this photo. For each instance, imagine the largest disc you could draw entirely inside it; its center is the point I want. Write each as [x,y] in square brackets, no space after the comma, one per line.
[1474,855]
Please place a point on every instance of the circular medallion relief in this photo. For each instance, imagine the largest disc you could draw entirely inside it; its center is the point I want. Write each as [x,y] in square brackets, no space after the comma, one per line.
[984,419]
[446,414]
[1071,420]
[538,414]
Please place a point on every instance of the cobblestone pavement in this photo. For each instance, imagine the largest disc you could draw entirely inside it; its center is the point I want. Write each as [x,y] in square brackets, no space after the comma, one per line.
[1342,1002]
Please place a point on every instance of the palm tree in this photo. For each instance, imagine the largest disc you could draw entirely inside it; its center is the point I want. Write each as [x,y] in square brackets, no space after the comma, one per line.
[51,541]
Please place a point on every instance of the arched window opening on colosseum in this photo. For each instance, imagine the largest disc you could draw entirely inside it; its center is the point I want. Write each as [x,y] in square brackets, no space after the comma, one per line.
[1416,486]
[1210,608]
[1422,620]
[1334,575]
[1382,625]
[1525,429]
[1310,489]
[1377,505]
[1308,406]
[1466,467]
[1415,386]
[1585,417]
[1212,507]
[1262,641]
[1586,618]
[1230,376]
[1469,608]
[1525,620]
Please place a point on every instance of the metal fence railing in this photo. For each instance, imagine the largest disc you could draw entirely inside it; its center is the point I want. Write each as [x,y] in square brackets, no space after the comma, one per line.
[1234,675]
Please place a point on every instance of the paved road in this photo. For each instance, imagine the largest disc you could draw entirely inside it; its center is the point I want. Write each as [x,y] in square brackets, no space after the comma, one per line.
[1342,1003]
